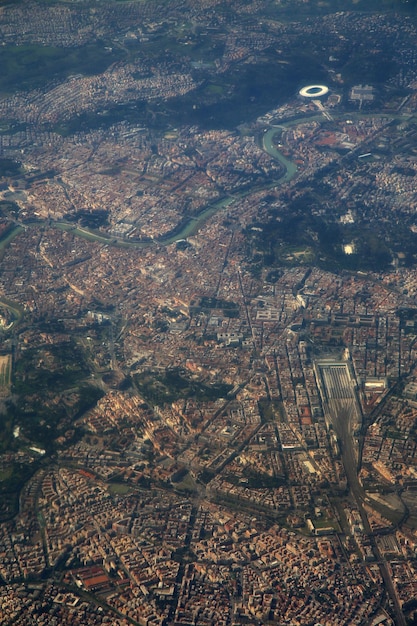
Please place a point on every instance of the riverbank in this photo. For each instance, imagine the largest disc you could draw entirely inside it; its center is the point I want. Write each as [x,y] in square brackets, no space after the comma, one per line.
[192,224]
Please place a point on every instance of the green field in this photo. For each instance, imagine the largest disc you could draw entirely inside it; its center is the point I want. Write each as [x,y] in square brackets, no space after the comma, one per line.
[120,489]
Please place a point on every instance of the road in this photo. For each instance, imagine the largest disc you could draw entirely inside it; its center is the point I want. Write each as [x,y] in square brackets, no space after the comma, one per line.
[343,410]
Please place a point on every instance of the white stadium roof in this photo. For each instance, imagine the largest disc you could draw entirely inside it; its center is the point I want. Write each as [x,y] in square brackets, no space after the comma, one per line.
[313,91]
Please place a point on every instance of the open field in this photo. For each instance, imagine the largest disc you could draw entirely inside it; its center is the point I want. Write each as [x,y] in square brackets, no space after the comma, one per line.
[5,372]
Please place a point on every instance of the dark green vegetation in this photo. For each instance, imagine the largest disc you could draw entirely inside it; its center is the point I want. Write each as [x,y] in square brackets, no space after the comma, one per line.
[361,67]
[8,208]
[30,66]
[222,101]
[88,219]
[206,304]
[57,367]
[8,232]
[255,480]
[42,422]
[306,238]
[41,418]
[186,39]
[246,90]
[11,482]
[311,231]
[8,167]
[137,113]
[174,384]
[49,393]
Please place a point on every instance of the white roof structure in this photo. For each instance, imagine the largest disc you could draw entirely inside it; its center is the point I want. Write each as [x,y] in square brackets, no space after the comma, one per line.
[313,91]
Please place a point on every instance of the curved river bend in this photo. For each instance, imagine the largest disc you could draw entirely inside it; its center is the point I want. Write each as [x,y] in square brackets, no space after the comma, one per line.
[192,225]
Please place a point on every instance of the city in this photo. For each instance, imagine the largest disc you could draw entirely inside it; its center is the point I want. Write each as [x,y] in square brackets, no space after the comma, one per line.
[208,362]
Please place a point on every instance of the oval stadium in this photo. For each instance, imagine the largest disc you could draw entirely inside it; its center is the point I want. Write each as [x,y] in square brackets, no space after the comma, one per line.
[313,91]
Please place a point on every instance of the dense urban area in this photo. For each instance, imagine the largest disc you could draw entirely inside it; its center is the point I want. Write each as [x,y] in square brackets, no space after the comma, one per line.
[208,313]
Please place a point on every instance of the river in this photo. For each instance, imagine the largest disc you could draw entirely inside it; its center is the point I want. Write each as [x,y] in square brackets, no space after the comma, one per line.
[193,224]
